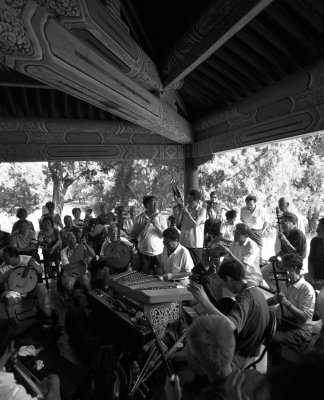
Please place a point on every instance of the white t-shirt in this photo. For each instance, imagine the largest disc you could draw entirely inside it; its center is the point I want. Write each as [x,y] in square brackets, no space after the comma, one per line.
[179,261]
[191,235]
[256,219]
[10,390]
[227,230]
[150,241]
[249,255]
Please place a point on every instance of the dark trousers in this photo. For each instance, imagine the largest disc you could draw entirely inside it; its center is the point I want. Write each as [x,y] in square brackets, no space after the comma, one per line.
[150,264]
[196,255]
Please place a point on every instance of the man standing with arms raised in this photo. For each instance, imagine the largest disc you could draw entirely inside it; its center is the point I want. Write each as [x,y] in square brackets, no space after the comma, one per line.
[255,217]
[192,219]
[148,229]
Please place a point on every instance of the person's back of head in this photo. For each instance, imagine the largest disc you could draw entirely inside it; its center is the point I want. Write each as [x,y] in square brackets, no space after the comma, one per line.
[232,269]
[211,344]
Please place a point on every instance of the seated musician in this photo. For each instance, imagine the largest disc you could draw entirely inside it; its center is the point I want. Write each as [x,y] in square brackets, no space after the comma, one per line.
[148,229]
[210,350]
[108,260]
[246,252]
[22,216]
[298,302]
[50,238]
[292,240]
[75,271]
[176,259]
[13,259]
[69,227]
[316,257]
[10,389]
[24,239]
[225,236]
[249,316]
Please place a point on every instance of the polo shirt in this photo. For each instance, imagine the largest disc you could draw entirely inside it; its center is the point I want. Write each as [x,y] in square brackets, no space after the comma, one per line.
[249,255]
[250,315]
[302,295]
[179,261]
[256,219]
[192,236]
[316,256]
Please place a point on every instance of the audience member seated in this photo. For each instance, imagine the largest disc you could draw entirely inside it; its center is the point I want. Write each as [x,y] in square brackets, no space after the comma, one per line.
[50,239]
[24,239]
[316,257]
[74,265]
[57,222]
[292,240]
[297,303]
[246,252]
[9,388]
[4,241]
[22,215]
[69,227]
[176,259]
[210,346]
[13,259]
[249,317]
[76,212]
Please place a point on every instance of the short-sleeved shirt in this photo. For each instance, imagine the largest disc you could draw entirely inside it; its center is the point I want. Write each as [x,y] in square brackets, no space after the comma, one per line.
[30,225]
[250,315]
[150,241]
[75,230]
[227,230]
[297,239]
[5,268]
[192,236]
[301,295]
[21,242]
[316,256]
[178,261]
[249,255]
[256,219]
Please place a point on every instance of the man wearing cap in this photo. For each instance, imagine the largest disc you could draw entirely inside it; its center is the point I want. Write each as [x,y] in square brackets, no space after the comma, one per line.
[293,240]
[316,257]
[256,218]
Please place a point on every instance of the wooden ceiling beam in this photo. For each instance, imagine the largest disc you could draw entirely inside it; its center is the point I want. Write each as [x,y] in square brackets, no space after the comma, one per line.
[291,107]
[214,27]
[59,55]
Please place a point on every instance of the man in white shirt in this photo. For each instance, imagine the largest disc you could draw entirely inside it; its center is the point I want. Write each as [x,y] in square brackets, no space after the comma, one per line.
[245,251]
[148,228]
[256,218]
[176,259]
[12,260]
[192,219]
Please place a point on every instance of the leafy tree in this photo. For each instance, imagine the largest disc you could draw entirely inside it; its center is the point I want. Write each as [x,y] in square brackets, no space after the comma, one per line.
[21,185]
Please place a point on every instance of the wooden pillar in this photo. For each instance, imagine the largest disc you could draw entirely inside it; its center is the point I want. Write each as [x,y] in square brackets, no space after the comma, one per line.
[190,180]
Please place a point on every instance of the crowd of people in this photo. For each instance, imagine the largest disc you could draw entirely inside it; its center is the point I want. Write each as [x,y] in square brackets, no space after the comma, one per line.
[215,251]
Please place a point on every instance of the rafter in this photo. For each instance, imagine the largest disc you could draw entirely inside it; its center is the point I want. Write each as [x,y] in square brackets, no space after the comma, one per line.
[214,27]
[67,61]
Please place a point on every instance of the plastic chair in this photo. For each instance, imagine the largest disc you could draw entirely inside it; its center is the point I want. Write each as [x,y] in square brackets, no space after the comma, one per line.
[268,335]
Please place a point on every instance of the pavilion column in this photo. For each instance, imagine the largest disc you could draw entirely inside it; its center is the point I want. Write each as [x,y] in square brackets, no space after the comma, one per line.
[191,180]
